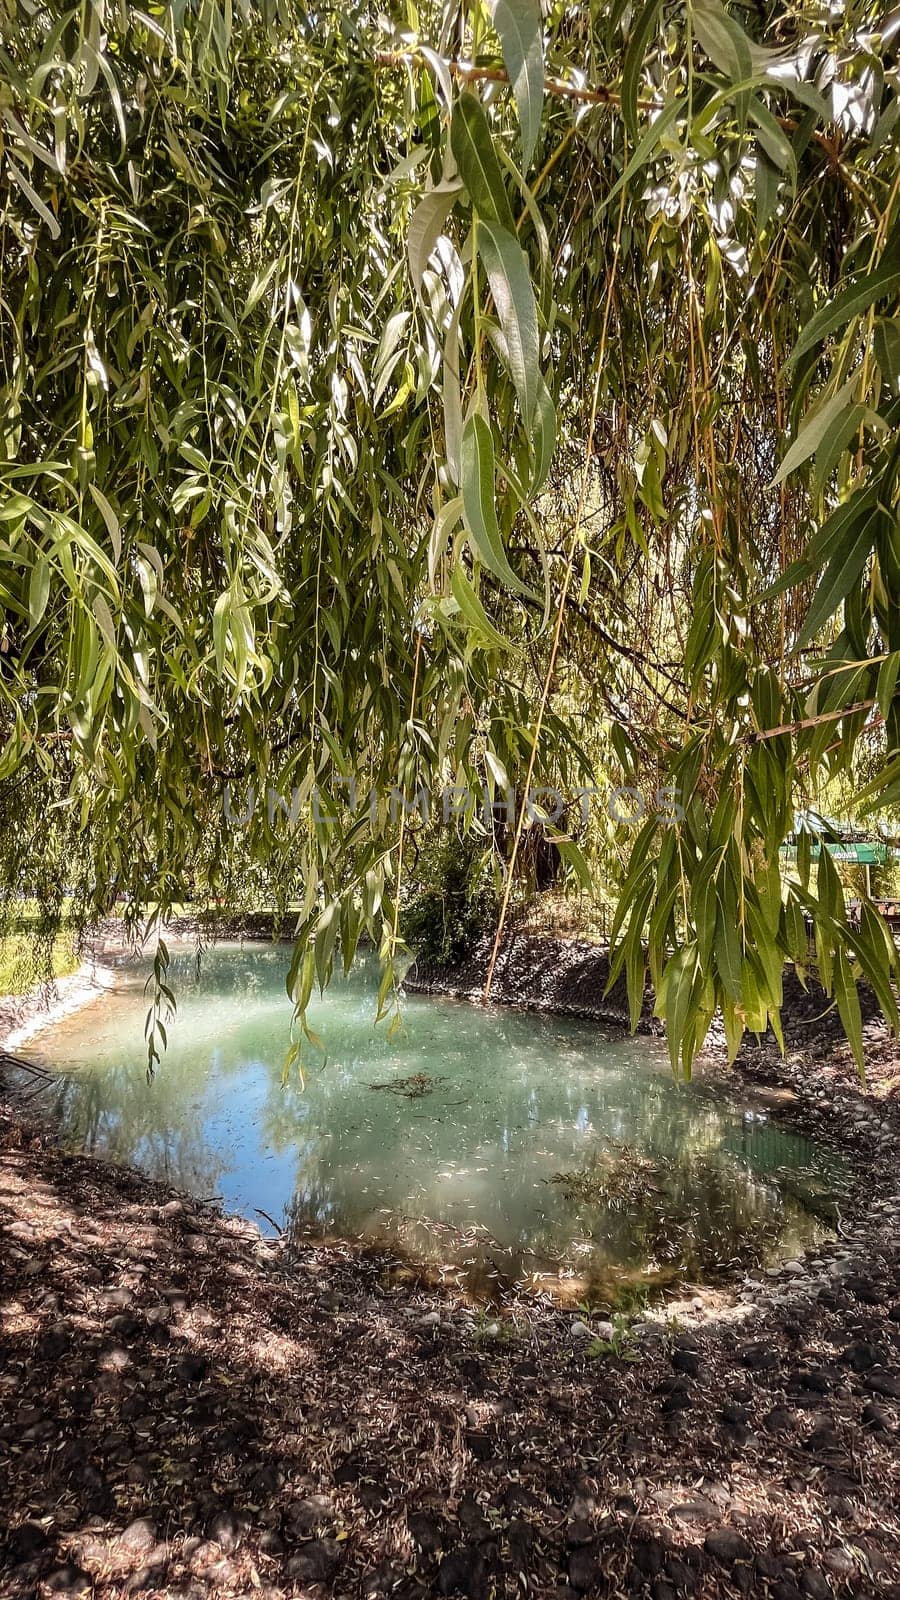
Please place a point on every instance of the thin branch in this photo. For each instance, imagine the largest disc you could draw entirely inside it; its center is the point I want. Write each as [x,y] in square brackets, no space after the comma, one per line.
[812,722]
[469,72]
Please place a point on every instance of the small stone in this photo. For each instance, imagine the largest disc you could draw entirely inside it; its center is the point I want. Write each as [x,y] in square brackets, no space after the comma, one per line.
[583,1570]
[226,1531]
[649,1557]
[734,1414]
[815,1584]
[884,1383]
[313,1512]
[191,1369]
[579,1531]
[825,1437]
[860,1356]
[839,1563]
[425,1531]
[316,1562]
[759,1357]
[114,1360]
[462,1571]
[54,1342]
[778,1419]
[686,1361]
[139,1536]
[680,1573]
[727,1545]
[69,1580]
[876,1418]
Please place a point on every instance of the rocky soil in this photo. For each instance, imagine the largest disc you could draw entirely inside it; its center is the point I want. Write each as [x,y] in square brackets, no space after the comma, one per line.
[187,1410]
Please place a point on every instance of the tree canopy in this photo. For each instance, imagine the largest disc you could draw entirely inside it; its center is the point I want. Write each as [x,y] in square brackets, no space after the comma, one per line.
[394,401]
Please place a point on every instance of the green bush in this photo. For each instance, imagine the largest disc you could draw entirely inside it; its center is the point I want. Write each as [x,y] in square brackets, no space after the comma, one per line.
[454,905]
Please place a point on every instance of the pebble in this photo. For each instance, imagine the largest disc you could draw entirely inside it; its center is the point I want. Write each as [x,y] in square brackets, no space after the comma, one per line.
[839,1563]
[138,1536]
[727,1545]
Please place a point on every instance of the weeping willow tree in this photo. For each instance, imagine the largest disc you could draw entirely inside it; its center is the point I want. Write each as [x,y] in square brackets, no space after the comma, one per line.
[376,389]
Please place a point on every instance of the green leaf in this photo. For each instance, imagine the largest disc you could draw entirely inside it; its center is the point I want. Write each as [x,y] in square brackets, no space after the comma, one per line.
[544,435]
[644,24]
[33,198]
[838,578]
[427,225]
[507,268]
[847,996]
[850,302]
[519,26]
[473,148]
[479,510]
[38,590]
[572,853]
[726,44]
[648,146]
[887,681]
[815,426]
[774,141]
[110,518]
[887,350]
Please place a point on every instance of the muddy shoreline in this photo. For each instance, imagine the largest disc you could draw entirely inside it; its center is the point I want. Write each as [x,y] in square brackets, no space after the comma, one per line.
[186,1410]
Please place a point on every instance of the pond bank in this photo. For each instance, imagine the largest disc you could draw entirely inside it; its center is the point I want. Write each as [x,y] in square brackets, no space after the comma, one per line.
[22,1016]
[186,1410]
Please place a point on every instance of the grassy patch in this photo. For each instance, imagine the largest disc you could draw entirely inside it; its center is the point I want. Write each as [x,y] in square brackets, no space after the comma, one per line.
[23,954]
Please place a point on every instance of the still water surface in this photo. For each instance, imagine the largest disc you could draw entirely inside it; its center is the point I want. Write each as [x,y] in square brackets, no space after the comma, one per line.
[447,1142]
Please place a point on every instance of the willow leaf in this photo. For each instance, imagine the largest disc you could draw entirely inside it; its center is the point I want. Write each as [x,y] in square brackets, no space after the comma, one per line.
[473,612]
[473,147]
[510,280]
[427,225]
[479,509]
[643,26]
[519,26]
[849,303]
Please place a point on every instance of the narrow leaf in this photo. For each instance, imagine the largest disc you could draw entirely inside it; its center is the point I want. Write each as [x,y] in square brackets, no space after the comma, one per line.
[510,280]
[518,24]
[473,148]
[478,502]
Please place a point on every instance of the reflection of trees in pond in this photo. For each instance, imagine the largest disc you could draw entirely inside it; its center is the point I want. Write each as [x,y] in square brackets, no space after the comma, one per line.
[120,1116]
[457,1171]
[720,1203]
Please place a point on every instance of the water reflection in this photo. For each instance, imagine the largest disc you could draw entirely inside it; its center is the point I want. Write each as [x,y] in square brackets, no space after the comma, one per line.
[448,1143]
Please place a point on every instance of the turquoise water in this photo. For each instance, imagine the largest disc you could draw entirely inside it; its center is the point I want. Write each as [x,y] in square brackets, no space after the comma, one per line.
[446,1143]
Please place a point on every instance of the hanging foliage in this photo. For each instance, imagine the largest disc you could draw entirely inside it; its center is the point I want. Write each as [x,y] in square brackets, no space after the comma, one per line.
[388,407]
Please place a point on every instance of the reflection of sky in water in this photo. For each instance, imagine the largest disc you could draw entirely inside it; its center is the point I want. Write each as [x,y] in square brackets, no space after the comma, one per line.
[687,1181]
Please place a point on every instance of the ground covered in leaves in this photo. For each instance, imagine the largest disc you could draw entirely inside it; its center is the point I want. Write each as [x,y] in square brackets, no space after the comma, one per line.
[186,1411]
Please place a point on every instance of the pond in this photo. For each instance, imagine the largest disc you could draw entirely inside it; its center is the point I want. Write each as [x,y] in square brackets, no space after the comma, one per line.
[505,1148]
